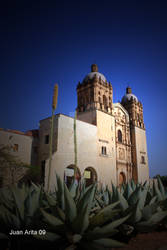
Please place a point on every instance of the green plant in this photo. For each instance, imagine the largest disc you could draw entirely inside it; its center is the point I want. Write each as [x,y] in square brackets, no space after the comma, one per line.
[146,205]
[71,226]
[20,211]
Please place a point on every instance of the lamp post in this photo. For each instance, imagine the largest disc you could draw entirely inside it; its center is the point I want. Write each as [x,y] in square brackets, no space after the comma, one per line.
[54,104]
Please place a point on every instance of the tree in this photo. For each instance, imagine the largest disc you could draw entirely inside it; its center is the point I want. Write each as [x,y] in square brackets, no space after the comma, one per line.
[11,168]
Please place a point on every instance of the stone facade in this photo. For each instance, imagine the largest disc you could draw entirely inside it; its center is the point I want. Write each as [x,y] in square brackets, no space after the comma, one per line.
[111,139]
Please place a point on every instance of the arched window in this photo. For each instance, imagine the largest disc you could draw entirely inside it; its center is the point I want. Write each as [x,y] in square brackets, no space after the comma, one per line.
[119,136]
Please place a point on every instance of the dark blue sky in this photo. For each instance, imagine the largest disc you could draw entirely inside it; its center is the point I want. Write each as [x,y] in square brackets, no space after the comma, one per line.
[48,42]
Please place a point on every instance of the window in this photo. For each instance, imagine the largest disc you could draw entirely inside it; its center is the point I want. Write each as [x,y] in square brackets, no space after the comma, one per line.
[46,139]
[143,160]
[119,136]
[105,102]
[103,150]
[15,148]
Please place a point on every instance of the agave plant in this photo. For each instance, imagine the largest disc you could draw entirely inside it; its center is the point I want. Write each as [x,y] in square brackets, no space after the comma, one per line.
[19,213]
[146,204]
[70,225]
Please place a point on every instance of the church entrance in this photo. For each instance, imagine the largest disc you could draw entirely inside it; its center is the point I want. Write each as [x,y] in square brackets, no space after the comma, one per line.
[90,176]
[122,178]
[69,175]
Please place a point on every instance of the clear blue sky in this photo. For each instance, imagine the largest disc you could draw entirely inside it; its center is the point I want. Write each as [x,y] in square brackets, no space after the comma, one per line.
[48,42]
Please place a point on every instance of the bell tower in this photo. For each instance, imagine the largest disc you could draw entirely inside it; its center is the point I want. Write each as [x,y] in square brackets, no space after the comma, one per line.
[140,171]
[134,108]
[94,93]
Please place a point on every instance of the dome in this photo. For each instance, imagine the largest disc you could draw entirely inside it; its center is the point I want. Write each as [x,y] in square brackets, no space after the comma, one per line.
[128,96]
[91,75]
[94,73]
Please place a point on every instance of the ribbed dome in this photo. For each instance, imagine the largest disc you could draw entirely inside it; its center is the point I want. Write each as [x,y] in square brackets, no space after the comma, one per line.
[94,73]
[128,96]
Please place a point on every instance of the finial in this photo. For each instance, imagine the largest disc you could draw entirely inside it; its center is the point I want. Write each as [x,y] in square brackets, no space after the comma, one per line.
[94,68]
[128,90]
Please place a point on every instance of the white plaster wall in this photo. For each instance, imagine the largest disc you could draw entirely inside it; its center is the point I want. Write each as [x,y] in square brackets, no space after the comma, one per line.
[141,146]
[64,156]
[24,145]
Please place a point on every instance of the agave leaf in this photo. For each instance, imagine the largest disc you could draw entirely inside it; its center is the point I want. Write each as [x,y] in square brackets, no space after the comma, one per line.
[109,243]
[157,192]
[8,219]
[123,202]
[19,195]
[161,187]
[104,215]
[70,207]
[136,214]
[81,222]
[78,192]
[153,200]
[87,199]
[60,193]
[109,227]
[110,196]
[145,184]
[32,202]
[99,201]
[157,217]
[149,210]
[60,213]
[106,197]
[52,220]
[73,188]
[114,192]
[135,196]
[148,197]
[128,191]
[142,199]
[146,226]
[48,236]
[133,185]
[51,200]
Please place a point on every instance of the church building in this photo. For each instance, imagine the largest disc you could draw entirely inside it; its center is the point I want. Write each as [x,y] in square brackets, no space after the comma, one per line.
[111,137]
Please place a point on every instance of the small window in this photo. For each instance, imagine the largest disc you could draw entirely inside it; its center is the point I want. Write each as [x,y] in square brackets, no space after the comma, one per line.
[46,139]
[103,150]
[143,160]
[15,148]
[119,136]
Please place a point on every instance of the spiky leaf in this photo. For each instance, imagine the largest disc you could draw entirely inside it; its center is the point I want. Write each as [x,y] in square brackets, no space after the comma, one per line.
[70,207]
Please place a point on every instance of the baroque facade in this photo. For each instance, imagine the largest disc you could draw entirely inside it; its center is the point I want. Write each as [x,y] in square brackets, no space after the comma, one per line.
[111,137]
